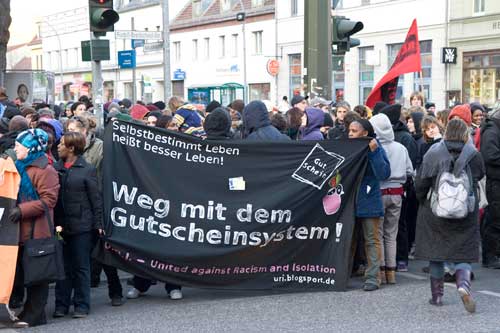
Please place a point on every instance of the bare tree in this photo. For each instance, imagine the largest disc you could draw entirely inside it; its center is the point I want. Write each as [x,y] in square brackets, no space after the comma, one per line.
[5,21]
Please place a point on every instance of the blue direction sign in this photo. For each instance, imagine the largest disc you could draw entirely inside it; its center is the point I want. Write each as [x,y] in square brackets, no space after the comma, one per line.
[137,43]
[179,74]
[126,59]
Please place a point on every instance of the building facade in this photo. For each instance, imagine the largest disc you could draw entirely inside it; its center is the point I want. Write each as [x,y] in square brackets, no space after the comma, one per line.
[474,30]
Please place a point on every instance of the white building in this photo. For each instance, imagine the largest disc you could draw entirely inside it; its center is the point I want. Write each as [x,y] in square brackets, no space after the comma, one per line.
[385,26]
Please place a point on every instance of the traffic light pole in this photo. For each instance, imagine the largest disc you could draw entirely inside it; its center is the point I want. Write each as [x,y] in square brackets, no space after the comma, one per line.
[317,48]
[97,89]
[167,83]
[134,78]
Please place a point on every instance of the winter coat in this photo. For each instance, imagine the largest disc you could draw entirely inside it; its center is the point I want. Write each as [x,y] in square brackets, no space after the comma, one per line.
[369,199]
[451,240]
[397,154]
[315,120]
[258,125]
[490,148]
[338,132]
[93,154]
[79,208]
[403,136]
[46,183]
[7,144]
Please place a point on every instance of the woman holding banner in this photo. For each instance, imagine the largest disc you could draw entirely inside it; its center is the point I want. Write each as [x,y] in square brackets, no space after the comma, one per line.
[369,206]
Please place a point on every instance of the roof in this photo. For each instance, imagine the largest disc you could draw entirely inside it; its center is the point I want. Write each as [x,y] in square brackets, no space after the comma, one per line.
[23,64]
[212,12]
[35,41]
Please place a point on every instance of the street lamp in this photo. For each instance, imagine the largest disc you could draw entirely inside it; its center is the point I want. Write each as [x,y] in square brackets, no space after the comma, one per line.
[241,17]
[60,56]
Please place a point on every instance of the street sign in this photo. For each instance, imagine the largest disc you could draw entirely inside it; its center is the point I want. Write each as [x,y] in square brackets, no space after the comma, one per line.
[126,59]
[95,50]
[179,74]
[273,67]
[137,43]
[153,47]
[129,34]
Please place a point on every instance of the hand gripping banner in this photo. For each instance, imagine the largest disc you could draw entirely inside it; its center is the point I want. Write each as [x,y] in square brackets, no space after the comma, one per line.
[229,214]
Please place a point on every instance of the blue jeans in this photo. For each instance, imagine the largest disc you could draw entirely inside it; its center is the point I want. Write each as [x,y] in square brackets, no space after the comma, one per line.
[77,269]
[437,268]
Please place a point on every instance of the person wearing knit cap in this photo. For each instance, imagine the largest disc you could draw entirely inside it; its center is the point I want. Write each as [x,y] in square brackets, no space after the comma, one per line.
[463,112]
[39,187]
[152,107]
[160,105]
[212,106]
[392,194]
[138,112]
[378,107]
[125,103]
[217,124]
[189,121]
[152,117]
[369,207]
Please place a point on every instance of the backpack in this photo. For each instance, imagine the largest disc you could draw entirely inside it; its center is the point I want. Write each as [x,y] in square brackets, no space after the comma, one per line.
[453,196]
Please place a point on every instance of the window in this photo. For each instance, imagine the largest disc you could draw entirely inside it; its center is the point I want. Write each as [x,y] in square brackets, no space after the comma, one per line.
[197,10]
[294,4]
[234,48]
[177,51]
[479,6]
[207,48]
[259,91]
[426,61]
[365,74]
[481,73]
[195,49]
[257,3]
[295,74]
[393,52]
[222,45]
[225,5]
[257,38]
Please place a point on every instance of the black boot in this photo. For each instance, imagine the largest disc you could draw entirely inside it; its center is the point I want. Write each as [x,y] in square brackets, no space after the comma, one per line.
[437,291]
[464,289]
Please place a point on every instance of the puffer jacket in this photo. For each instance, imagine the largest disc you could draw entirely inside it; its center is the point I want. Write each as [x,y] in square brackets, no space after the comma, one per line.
[79,208]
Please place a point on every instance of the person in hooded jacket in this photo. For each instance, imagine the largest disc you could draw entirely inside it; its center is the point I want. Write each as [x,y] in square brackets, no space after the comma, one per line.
[217,124]
[392,194]
[490,150]
[369,206]
[257,125]
[441,240]
[8,140]
[312,121]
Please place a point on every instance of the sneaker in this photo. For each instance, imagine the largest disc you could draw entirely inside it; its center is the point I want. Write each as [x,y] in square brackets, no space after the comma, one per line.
[116,301]
[59,313]
[80,314]
[20,324]
[467,300]
[402,266]
[175,294]
[411,255]
[133,293]
[370,287]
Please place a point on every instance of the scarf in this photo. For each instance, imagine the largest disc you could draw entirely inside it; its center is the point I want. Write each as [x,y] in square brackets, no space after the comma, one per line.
[439,159]
[26,191]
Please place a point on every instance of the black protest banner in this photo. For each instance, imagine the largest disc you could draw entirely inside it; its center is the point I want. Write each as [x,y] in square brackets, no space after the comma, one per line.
[229,214]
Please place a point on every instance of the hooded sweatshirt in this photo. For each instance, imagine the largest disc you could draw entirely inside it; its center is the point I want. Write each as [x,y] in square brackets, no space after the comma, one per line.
[257,124]
[401,166]
[218,125]
[315,119]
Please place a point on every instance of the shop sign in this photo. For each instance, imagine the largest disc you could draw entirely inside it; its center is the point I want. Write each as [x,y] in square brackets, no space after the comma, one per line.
[449,55]
[179,74]
[273,67]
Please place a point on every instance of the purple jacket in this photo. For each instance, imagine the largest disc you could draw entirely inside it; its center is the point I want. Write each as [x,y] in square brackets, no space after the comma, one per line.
[315,119]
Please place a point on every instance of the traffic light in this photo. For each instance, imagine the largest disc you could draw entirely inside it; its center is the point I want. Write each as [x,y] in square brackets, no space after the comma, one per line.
[102,16]
[343,29]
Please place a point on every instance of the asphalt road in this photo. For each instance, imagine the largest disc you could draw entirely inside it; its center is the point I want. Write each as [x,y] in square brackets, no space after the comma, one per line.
[399,308]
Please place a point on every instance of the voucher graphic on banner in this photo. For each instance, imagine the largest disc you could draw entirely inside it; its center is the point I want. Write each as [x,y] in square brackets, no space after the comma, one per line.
[229,214]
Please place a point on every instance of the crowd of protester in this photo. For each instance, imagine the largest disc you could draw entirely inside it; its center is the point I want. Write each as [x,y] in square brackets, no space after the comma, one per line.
[58,151]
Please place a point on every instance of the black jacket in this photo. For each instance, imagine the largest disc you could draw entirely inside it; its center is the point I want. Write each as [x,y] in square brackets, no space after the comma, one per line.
[490,148]
[403,136]
[79,207]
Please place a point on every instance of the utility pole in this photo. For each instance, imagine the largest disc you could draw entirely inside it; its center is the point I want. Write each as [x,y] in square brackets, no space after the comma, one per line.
[167,83]
[97,88]
[242,17]
[134,86]
[318,48]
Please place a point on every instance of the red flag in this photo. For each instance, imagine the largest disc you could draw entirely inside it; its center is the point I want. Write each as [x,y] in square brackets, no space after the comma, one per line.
[407,61]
